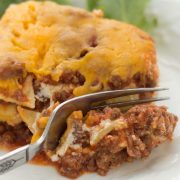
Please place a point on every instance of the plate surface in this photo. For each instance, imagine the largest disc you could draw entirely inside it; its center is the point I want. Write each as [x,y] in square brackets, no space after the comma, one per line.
[164,162]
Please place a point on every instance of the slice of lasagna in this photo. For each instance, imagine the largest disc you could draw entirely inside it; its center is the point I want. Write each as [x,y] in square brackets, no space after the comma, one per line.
[106,138]
[50,53]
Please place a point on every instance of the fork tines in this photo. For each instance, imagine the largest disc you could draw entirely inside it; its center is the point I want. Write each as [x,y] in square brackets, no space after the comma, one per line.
[132,102]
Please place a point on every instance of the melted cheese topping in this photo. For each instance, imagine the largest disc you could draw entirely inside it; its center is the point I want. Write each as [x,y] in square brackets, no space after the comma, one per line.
[49,38]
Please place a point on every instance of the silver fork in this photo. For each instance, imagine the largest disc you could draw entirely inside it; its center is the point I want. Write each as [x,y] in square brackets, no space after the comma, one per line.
[57,123]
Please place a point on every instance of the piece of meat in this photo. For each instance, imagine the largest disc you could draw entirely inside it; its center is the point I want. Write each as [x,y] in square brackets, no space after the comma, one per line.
[115,82]
[72,77]
[11,68]
[62,95]
[13,136]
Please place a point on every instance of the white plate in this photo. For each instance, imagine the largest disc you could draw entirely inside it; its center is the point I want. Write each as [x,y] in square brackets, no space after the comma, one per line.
[164,162]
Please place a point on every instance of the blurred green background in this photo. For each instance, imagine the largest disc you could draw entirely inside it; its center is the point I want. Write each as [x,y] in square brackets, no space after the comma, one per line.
[131,11]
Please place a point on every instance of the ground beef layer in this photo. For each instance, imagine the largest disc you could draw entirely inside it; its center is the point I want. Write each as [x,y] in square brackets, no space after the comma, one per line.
[14,136]
[147,127]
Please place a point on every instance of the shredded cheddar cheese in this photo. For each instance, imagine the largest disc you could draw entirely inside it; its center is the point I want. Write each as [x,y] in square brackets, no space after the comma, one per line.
[49,38]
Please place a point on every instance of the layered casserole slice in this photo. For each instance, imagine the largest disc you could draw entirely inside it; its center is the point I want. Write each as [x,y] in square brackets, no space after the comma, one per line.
[50,53]
[104,139]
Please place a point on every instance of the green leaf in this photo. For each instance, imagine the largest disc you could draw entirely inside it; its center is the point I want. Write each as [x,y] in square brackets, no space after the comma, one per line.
[92,4]
[5,3]
[62,1]
[131,11]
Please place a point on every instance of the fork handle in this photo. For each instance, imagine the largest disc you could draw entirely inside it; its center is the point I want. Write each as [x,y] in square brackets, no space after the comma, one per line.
[14,159]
